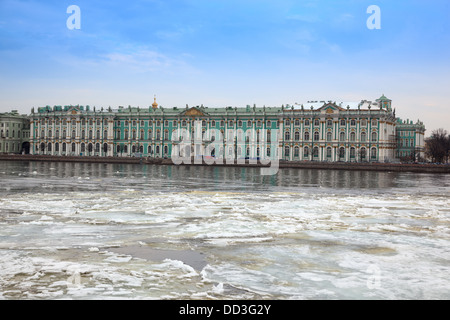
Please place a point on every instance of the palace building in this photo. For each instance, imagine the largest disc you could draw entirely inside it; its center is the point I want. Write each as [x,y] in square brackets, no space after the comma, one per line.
[313,131]
[14,133]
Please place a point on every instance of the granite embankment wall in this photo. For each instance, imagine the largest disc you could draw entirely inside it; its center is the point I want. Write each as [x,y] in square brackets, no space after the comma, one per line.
[395,167]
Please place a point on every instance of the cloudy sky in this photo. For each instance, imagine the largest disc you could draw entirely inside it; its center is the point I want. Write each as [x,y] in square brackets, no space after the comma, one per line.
[226,53]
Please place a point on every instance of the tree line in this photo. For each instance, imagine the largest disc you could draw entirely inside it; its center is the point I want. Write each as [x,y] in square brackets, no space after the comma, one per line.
[437,146]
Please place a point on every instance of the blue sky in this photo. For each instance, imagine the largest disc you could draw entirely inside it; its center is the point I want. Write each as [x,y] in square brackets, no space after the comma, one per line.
[226,52]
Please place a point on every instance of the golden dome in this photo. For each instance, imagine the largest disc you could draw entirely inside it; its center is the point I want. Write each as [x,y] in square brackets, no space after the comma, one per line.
[155,105]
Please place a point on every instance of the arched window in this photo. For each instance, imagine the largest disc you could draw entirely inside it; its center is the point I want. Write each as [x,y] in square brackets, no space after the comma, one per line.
[73,134]
[329,136]
[73,147]
[316,136]
[90,134]
[83,147]
[352,136]
[363,153]
[57,147]
[342,153]
[305,152]
[316,152]
[287,135]
[296,151]
[342,136]
[306,136]
[49,147]
[287,151]
[97,147]
[374,136]
[166,150]
[297,136]
[352,152]
[363,136]
[373,153]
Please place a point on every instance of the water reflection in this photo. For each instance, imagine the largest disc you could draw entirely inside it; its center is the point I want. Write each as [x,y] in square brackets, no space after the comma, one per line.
[76,176]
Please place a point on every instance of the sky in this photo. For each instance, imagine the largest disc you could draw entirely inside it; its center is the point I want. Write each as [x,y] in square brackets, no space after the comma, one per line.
[226,53]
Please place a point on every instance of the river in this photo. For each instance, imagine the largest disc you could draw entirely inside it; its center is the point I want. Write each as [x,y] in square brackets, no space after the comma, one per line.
[111,231]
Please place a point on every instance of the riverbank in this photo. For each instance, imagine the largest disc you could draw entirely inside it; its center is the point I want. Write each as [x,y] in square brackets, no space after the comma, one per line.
[395,167]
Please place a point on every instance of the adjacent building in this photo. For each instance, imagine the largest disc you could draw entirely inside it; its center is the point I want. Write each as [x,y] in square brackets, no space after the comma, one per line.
[362,131]
[14,133]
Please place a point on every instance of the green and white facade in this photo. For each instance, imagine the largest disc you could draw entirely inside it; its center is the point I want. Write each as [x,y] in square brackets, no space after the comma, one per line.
[14,133]
[313,131]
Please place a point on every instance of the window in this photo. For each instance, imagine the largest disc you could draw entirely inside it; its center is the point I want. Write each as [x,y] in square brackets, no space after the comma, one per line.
[342,136]
[268,151]
[297,123]
[213,123]
[134,135]
[343,122]
[329,136]
[287,151]
[306,152]
[316,152]
[363,123]
[316,136]
[373,153]
[287,135]
[98,134]
[352,152]
[306,122]
[329,123]
[126,135]
[363,153]
[240,123]
[306,136]
[83,147]
[49,147]
[183,123]
[328,152]
[316,122]
[353,122]
[56,147]
[374,123]
[352,136]
[97,147]
[342,153]
[296,151]
[297,136]
[73,147]
[287,122]
[374,136]
[73,134]
[258,123]
[269,123]
[363,137]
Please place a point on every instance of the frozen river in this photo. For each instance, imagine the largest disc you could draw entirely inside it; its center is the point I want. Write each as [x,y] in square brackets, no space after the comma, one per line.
[108,231]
